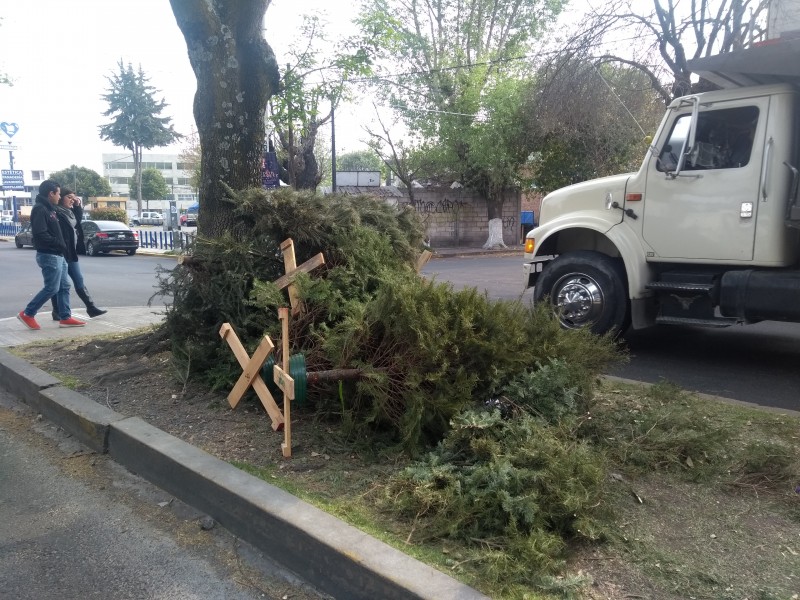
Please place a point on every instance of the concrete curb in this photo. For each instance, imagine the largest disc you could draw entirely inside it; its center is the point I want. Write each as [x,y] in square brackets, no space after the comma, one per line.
[331,555]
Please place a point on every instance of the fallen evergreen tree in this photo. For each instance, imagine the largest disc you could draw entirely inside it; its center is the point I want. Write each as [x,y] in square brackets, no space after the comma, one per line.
[425,350]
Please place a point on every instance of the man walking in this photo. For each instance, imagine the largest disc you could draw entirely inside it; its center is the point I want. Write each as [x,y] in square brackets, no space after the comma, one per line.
[50,247]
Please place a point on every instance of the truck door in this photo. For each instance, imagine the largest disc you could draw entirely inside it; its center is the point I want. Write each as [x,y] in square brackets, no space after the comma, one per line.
[708,211]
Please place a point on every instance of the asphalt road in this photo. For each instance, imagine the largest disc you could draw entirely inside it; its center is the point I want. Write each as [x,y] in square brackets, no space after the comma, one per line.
[74,525]
[112,279]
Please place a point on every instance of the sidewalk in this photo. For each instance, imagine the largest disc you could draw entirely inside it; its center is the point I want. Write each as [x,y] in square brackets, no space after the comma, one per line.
[116,320]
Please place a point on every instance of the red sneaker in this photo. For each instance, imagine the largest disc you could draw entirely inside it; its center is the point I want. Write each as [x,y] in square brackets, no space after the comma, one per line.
[29,322]
[71,322]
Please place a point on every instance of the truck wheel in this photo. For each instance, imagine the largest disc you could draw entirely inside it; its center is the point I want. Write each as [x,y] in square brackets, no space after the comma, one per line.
[587,289]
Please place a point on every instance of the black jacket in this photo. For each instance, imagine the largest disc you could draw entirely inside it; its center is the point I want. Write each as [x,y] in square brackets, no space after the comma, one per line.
[47,236]
[73,241]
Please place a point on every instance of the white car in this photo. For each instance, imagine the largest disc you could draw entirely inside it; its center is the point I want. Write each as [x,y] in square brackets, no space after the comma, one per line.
[148,218]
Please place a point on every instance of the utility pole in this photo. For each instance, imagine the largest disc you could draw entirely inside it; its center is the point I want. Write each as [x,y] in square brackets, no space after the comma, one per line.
[291,132]
[333,149]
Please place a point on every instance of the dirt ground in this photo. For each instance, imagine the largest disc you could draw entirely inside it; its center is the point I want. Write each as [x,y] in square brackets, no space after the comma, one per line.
[151,388]
[681,541]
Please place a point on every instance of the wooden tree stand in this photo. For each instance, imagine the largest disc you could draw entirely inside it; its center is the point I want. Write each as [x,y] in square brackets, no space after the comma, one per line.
[251,366]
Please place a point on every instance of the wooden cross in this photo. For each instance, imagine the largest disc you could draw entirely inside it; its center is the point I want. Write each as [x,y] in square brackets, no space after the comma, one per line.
[251,374]
[422,260]
[290,264]
[284,381]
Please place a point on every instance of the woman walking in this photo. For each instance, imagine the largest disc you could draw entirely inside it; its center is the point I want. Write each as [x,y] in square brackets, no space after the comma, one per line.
[70,215]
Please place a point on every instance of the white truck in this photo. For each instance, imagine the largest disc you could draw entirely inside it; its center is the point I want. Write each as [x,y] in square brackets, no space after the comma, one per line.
[147,218]
[707,232]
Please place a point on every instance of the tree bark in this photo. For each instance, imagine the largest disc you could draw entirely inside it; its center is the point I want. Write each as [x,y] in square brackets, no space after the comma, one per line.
[236,75]
[495,234]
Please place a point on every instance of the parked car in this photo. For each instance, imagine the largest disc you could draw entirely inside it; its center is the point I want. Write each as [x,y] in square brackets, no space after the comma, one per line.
[188,220]
[148,218]
[24,237]
[105,236]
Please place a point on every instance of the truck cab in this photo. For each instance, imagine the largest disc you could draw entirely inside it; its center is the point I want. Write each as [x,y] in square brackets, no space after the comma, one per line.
[706,232]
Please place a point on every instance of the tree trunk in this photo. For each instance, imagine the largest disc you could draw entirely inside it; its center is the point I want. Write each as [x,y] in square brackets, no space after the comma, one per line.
[236,75]
[494,208]
[136,151]
[495,235]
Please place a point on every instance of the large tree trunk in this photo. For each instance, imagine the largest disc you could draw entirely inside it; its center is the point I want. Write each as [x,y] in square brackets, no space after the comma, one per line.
[236,75]
[494,208]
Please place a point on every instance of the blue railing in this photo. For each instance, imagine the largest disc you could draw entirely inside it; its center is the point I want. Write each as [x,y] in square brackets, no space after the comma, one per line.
[148,238]
[10,229]
[165,240]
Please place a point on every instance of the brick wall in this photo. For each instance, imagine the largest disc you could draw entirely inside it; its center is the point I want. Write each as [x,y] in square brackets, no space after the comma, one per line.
[459,217]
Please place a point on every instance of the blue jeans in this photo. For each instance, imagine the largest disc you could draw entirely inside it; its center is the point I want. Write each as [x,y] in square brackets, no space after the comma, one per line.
[56,283]
[74,270]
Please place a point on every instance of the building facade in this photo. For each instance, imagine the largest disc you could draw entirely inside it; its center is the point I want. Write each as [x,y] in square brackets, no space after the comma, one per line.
[118,169]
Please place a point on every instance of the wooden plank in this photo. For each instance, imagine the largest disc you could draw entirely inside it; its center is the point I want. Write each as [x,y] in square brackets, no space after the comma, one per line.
[251,369]
[284,381]
[311,264]
[288,394]
[227,333]
[290,266]
[423,259]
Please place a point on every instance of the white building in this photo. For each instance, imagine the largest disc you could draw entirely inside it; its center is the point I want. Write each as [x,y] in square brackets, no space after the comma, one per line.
[118,169]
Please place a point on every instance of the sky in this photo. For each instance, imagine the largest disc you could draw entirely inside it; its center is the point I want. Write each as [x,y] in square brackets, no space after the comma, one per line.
[60,52]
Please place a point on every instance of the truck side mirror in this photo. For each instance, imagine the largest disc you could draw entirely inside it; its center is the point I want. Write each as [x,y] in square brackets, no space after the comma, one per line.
[690,142]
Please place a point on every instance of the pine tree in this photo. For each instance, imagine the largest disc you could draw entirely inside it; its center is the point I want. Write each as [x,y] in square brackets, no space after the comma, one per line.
[136,124]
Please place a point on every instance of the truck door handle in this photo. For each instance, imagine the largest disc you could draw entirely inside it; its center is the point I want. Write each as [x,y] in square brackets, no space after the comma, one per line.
[765,170]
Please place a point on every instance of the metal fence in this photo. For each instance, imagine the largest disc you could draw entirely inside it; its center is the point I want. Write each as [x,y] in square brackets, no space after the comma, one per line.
[10,229]
[166,240]
[148,238]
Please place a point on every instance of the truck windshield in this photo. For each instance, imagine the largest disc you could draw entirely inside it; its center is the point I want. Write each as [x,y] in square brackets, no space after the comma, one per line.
[724,140]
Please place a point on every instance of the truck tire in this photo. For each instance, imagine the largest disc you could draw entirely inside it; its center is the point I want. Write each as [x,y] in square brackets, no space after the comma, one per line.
[586,289]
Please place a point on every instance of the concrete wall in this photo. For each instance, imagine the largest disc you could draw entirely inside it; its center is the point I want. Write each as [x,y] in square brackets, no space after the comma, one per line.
[459,217]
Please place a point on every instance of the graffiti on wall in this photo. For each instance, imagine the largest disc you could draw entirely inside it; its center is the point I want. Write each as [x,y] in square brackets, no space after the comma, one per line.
[443,206]
[509,223]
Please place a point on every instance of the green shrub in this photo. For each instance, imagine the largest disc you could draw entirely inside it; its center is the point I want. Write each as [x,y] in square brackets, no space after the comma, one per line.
[428,352]
[514,489]
[552,391]
[230,277]
[109,214]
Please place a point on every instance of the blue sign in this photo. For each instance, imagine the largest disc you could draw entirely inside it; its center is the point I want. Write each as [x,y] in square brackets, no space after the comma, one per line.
[269,171]
[13,180]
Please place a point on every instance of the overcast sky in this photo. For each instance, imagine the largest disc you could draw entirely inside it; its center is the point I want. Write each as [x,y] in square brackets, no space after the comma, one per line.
[59,53]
